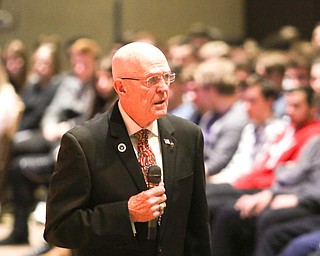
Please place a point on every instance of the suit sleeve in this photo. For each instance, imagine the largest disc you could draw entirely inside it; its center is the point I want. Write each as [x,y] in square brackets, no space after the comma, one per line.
[198,236]
[71,222]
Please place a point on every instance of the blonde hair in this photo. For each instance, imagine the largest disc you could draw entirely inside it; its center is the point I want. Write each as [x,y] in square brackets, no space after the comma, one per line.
[86,45]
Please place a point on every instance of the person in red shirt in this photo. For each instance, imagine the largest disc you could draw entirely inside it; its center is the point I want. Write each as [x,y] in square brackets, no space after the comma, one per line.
[301,110]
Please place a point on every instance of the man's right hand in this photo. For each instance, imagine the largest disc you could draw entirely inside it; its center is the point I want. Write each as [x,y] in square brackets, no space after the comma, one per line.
[145,206]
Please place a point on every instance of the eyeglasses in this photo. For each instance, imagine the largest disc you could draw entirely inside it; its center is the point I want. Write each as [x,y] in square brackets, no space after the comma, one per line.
[154,80]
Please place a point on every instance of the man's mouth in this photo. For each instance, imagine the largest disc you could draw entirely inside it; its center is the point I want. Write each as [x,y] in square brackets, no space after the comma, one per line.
[159,102]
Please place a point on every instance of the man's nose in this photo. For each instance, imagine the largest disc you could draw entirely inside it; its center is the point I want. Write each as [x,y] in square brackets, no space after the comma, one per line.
[162,86]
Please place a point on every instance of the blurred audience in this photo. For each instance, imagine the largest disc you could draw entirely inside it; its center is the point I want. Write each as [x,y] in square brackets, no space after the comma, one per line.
[272,65]
[181,55]
[224,115]
[297,73]
[198,34]
[11,105]
[315,38]
[105,93]
[180,103]
[282,39]
[29,148]
[315,75]
[213,50]
[74,99]
[15,60]
[294,197]
[10,113]
[64,101]
[258,135]
[306,239]
[301,109]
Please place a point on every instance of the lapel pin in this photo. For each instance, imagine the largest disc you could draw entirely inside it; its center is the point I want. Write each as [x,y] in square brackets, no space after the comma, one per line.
[122,147]
[168,142]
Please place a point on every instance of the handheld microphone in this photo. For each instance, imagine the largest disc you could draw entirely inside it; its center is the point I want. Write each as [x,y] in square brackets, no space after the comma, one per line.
[153,177]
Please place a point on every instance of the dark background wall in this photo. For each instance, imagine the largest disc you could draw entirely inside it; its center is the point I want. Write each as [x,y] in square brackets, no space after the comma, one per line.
[266,16]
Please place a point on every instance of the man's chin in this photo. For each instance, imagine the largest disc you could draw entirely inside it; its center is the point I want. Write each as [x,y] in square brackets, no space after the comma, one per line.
[161,113]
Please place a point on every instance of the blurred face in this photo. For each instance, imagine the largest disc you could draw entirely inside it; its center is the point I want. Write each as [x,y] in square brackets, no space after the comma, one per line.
[14,65]
[181,55]
[142,102]
[315,77]
[298,109]
[83,65]
[203,98]
[296,77]
[104,83]
[259,108]
[316,37]
[43,63]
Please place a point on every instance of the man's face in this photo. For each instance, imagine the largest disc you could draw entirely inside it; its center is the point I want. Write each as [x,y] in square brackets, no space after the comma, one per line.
[297,108]
[258,107]
[203,98]
[144,103]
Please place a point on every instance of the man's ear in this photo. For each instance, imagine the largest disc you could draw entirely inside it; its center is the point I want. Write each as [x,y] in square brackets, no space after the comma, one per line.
[119,87]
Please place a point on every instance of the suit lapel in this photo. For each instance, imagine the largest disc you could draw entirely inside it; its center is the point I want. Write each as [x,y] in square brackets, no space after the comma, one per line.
[168,147]
[169,151]
[122,144]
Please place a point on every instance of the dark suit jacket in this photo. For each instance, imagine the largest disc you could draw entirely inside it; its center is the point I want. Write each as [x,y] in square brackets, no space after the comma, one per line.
[94,178]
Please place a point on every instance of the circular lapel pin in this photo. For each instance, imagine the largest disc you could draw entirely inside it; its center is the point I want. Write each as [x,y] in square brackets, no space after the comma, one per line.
[122,147]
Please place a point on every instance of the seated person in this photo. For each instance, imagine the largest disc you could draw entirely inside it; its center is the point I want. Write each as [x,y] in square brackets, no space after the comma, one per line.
[10,111]
[300,236]
[293,196]
[258,135]
[301,108]
[180,103]
[71,103]
[28,142]
[224,114]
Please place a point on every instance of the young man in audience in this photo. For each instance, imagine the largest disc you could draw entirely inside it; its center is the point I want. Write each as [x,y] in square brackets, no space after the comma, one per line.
[258,135]
[224,114]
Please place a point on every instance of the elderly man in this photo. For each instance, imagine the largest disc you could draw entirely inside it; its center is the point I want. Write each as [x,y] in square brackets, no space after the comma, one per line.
[100,199]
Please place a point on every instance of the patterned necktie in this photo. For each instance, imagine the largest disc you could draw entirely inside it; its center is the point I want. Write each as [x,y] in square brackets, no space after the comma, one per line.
[146,157]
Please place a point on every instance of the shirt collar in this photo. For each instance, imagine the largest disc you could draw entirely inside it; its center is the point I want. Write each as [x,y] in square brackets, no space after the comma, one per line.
[133,127]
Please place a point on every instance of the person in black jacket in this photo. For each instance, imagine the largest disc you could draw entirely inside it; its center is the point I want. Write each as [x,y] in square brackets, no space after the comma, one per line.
[98,201]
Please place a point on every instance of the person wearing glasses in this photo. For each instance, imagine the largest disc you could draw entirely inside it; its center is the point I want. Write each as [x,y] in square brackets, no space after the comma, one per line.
[99,202]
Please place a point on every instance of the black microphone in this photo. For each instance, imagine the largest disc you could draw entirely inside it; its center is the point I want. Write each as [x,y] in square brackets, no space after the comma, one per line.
[153,178]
